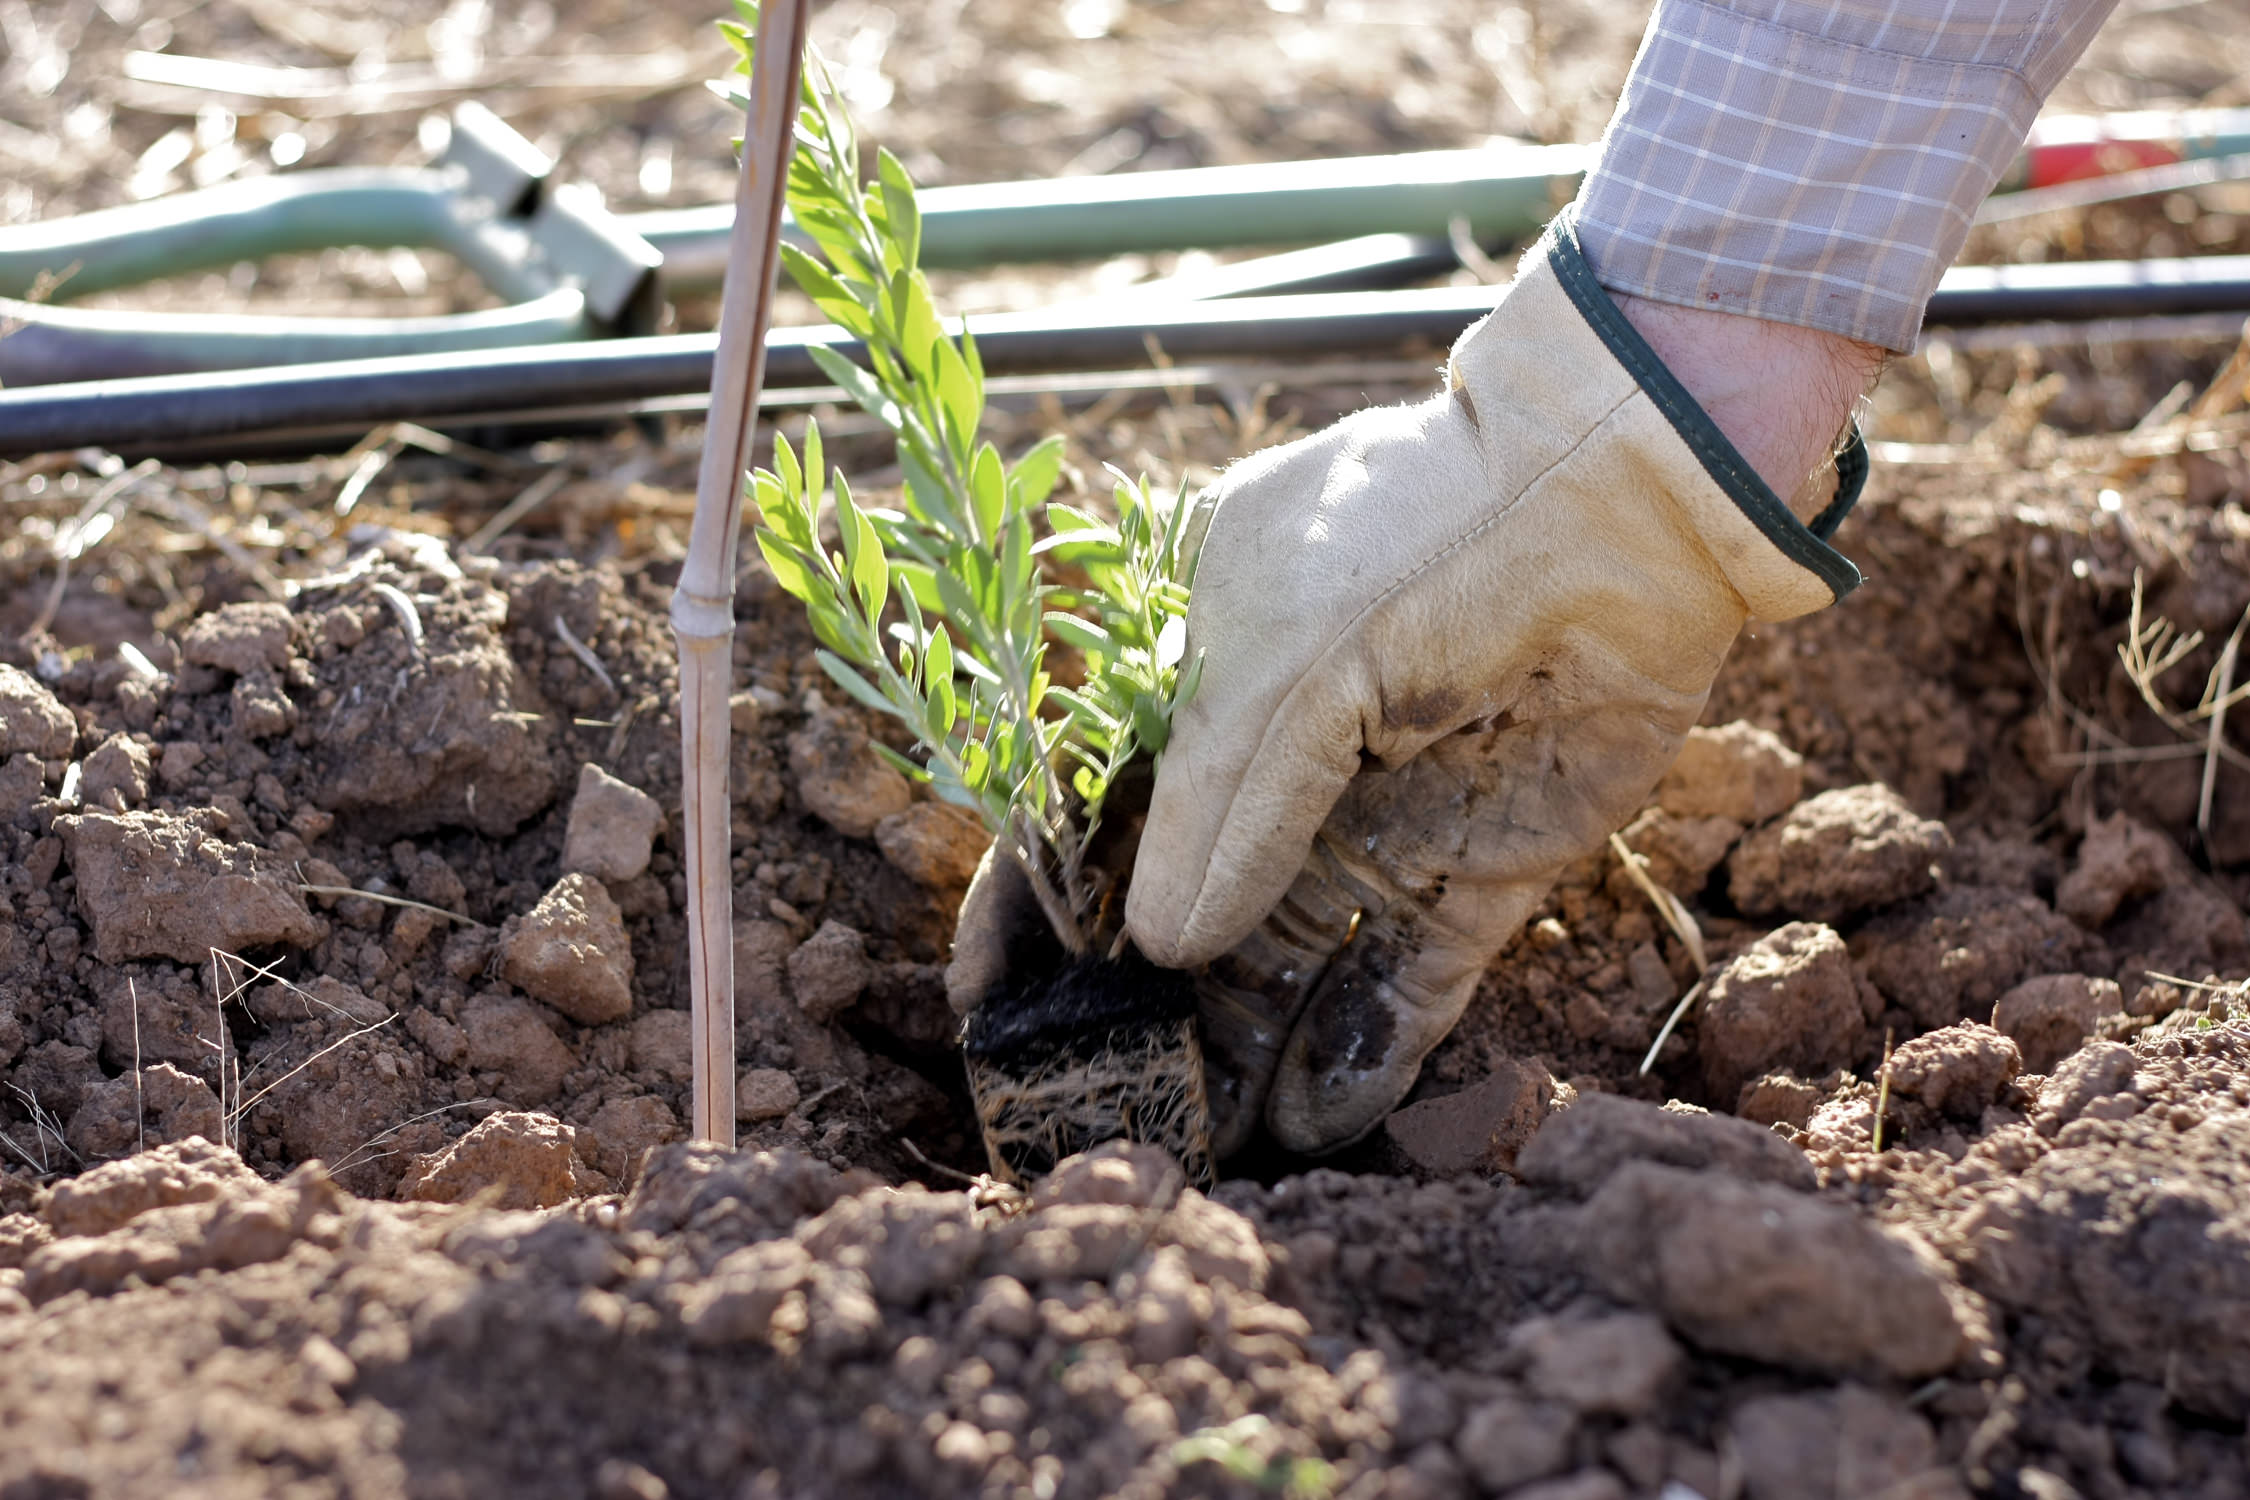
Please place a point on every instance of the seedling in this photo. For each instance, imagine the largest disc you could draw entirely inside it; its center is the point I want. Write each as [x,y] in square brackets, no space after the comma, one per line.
[944,611]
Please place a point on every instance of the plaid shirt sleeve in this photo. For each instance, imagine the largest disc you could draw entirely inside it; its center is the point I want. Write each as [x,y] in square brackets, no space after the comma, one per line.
[1817,162]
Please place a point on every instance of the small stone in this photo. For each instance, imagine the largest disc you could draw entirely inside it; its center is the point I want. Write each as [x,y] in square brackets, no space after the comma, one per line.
[1622,1365]
[509,1161]
[32,720]
[1479,1129]
[1736,771]
[1842,852]
[764,1094]
[612,827]
[1957,1070]
[239,638]
[1580,1147]
[571,951]
[841,779]
[1792,1000]
[1510,1441]
[663,1043]
[2120,860]
[2050,1015]
[507,1037]
[115,776]
[933,844]
[829,971]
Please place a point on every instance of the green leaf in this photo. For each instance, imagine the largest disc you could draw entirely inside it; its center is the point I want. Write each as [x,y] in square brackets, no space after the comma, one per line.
[1033,478]
[903,217]
[816,460]
[853,683]
[1086,636]
[790,569]
[828,294]
[916,319]
[1150,724]
[856,383]
[1016,559]
[871,573]
[961,393]
[785,463]
[988,491]
[900,763]
[929,495]
[918,582]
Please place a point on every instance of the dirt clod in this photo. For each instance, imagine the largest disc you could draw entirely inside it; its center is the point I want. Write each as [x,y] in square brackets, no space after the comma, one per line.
[1793,1000]
[764,1094]
[32,721]
[612,827]
[1957,1071]
[158,1105]
[1842,852]
[1831,1445]
[510,1160]
[935,844]
[115,777]
[1580,1147]
[2050,1015]
[1952,956]
[841,779]
[1736,771]
[570,950]
[156,886]
[2121,860]
[1479,1129]
[1757,1270]
[829,971]
[1619,1364]
[240,638]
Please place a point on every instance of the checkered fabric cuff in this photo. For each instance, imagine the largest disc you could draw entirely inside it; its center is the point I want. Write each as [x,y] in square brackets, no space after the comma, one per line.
[1817,162]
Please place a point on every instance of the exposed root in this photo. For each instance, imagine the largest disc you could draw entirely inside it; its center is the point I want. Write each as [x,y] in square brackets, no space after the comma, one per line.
[1140,1082]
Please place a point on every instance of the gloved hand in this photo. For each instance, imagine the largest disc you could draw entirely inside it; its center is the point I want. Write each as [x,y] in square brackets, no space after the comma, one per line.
[1448,649]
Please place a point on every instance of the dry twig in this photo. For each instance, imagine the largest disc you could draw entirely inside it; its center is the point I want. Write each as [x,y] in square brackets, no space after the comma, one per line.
[703,606]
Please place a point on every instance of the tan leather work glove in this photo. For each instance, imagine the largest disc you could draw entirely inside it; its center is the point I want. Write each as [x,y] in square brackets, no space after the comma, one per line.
[1448,649]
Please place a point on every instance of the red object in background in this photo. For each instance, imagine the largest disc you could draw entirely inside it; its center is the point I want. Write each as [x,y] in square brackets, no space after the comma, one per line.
[2071,161]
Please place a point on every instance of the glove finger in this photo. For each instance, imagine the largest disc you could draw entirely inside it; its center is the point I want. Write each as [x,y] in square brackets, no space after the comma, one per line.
[1385,1001]
[1251,996]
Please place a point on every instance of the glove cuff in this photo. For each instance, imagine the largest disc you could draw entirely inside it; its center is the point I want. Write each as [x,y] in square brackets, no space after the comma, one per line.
[1780,566]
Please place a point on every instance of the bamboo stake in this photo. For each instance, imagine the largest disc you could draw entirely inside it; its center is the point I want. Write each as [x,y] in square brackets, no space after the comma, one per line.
[703,604]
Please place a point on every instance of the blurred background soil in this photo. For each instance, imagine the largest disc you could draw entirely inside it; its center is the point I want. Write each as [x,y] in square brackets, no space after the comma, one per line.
[371,860]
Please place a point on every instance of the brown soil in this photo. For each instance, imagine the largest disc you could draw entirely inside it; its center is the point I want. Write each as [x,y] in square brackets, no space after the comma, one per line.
[1938,1188]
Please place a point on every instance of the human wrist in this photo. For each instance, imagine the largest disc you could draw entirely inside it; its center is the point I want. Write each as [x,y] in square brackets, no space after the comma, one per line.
[1781,394]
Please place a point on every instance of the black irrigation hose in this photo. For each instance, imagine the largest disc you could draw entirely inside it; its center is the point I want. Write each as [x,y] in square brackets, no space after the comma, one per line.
[234,408]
